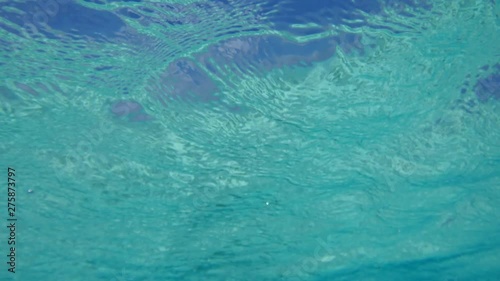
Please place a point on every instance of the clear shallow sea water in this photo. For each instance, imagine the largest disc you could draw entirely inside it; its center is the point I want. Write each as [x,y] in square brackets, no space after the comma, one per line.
[252,140]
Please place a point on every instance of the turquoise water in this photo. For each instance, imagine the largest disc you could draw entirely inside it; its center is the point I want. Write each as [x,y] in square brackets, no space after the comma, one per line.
[201,141]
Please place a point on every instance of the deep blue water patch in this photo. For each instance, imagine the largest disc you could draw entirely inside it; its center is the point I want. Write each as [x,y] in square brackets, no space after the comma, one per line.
[282,14]
[130,110]
[103,68]
[77,19]
[189,80]
[485,85]
[270,52]
[184,80]
[488,87]
[64,16]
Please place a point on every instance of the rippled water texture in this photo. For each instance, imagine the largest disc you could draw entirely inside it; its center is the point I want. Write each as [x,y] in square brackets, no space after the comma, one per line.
[252,140]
